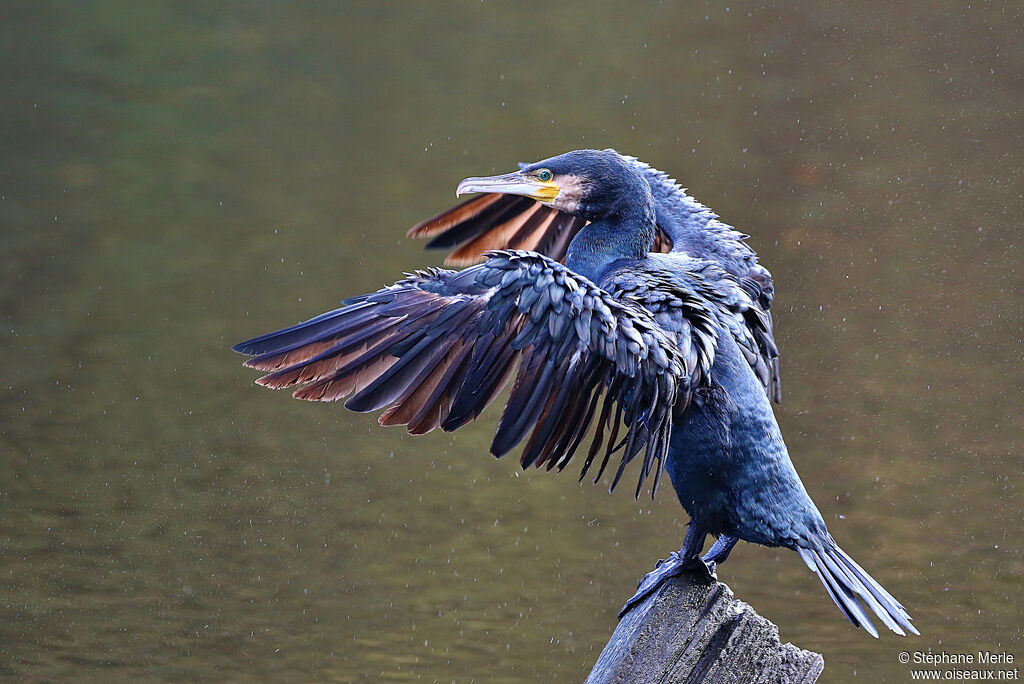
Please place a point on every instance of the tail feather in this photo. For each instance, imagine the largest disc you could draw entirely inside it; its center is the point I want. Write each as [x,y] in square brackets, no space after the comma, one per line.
[862,591]
[849,586]
[838,589]
[894,607]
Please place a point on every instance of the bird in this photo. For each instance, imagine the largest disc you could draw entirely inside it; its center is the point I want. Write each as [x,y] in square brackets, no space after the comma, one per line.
[675,347]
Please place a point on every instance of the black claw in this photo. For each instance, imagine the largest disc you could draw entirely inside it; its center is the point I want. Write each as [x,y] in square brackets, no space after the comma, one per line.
[702,568]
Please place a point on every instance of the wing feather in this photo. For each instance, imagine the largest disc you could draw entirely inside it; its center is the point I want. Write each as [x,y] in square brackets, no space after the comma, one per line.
[434,349]
[493,222]
[457,215]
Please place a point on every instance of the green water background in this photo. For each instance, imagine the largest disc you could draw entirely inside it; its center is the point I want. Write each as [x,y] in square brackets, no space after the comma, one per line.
[176,177]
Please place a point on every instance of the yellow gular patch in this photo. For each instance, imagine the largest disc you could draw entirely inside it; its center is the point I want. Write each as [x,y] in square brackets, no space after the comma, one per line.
[547,191]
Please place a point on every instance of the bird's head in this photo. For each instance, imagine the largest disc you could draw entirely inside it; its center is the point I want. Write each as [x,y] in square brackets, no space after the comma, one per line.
[591,184]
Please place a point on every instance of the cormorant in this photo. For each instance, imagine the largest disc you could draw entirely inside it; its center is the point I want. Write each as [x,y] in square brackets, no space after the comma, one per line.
[679,345]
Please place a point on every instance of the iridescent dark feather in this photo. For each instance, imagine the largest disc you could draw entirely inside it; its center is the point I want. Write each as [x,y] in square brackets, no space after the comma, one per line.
[436,348]
[494,221]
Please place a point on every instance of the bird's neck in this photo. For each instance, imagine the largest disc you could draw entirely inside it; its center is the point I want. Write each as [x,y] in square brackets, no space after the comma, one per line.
[627,234]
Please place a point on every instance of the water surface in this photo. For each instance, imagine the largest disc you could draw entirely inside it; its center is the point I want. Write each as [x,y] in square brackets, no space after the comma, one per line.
[178,177]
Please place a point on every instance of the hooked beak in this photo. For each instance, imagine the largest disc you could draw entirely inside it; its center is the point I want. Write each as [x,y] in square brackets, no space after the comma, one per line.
[517,183]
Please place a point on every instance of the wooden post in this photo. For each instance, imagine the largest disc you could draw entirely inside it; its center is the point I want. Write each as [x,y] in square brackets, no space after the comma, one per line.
[694,630]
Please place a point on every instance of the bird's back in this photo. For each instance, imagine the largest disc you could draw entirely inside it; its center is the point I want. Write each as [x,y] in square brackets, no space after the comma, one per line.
[728,462]
[696,230]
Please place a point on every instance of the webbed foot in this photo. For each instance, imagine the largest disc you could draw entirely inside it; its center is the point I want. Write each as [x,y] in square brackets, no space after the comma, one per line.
[665,569]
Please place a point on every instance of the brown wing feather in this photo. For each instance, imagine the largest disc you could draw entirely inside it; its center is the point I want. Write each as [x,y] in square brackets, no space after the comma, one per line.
[289,359]
[466,211]
[308,371]
[535,227]
[529,240]
[341,384]
[499,237]
[662,242]
[415,398]
[434,349]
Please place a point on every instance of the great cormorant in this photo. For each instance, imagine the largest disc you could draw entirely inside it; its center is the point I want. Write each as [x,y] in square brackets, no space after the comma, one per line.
[679,344]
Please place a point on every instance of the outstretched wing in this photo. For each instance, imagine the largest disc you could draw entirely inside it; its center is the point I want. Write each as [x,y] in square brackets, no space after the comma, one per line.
[492,221]
[436,348]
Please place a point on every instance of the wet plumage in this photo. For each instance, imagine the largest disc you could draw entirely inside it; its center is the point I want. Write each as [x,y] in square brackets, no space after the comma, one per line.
[491,221]
[437,347]
[674,347]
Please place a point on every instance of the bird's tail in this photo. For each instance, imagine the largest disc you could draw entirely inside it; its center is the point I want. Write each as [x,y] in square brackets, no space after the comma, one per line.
[849,586]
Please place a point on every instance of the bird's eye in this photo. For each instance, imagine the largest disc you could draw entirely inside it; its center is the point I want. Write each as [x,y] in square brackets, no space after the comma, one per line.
[544,175]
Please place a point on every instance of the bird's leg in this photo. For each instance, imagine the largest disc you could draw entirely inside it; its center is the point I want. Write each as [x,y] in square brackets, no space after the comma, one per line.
[686,558]
[719,551]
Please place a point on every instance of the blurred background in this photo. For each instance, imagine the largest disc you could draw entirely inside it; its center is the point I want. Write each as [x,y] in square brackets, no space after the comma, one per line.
[180,176]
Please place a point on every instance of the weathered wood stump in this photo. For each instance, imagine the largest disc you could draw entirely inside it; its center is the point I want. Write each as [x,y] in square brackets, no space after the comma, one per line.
[694,630]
